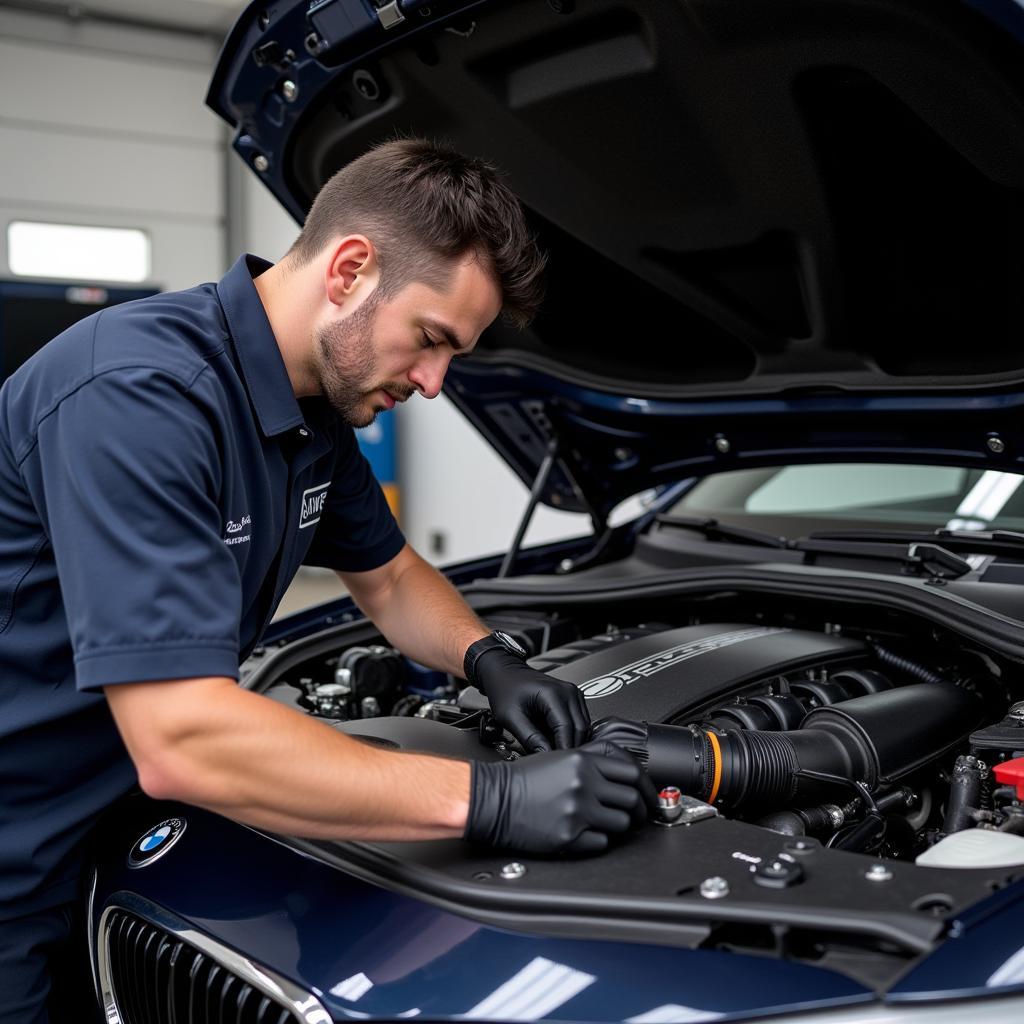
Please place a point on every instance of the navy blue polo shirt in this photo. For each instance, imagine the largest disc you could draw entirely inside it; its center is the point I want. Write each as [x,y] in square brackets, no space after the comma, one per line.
[159,486]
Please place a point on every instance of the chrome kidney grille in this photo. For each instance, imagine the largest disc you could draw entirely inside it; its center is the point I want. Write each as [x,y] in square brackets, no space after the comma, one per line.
[156,977]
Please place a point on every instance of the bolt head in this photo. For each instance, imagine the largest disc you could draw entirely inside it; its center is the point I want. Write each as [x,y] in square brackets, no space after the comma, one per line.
[670,796]
[622,454]
[996,445]
[366,85]
[878,873]
[722,445]
[289,90]
[261,163]
[801,845]
[714,888]
[513,870]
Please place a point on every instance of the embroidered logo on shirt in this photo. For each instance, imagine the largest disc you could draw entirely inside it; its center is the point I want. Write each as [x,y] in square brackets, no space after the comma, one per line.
[313,501]
[234,527]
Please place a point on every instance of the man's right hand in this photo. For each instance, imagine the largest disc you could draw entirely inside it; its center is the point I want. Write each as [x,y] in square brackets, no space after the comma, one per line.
[563,800]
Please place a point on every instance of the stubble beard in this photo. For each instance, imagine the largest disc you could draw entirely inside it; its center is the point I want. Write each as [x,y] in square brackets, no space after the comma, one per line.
[346,368]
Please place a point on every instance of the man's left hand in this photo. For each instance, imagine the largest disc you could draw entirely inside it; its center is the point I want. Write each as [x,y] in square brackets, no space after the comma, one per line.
[538,710]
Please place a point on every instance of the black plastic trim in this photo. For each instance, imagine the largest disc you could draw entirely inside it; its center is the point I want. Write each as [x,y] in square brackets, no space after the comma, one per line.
[920,598]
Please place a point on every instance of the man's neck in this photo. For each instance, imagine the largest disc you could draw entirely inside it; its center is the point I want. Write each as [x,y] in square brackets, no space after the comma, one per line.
[289,300]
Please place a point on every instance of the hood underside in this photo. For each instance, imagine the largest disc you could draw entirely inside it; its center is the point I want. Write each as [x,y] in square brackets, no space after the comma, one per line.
[796,225]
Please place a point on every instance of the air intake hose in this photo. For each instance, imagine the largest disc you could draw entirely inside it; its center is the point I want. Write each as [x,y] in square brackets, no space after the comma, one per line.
[874,739]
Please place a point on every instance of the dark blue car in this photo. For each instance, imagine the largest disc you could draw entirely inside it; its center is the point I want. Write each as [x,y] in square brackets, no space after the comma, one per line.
[784,328]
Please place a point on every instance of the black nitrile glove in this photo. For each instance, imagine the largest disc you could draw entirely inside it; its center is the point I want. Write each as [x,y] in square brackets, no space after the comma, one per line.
[538,710]
[563,800]
[664,751]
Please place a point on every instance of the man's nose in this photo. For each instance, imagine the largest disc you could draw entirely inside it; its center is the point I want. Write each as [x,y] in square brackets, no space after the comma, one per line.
[428,375]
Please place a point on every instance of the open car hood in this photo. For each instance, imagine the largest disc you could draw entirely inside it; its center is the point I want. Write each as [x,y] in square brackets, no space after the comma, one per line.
[778,232]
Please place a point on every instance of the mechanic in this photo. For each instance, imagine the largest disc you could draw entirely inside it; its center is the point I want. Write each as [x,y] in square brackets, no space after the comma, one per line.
[166,466]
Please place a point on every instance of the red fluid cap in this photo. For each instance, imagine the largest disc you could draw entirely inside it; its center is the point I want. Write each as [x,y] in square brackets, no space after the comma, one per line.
[670,796]
[1011,773]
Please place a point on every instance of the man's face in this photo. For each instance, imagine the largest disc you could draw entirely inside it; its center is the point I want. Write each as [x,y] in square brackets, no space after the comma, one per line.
[386,350]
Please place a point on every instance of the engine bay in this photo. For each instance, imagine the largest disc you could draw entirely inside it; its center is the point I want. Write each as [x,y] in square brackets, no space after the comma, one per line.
[916,746]
[852,786]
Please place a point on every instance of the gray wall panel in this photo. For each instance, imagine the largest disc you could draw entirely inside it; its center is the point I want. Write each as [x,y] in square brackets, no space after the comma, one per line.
[81,91]
[105,125]
[79,170]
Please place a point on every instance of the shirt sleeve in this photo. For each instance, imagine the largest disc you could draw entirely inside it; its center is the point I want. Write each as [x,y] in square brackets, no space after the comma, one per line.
[357,531]
[126,473]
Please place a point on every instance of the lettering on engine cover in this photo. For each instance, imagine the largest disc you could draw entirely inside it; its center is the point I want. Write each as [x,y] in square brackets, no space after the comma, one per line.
[612,682]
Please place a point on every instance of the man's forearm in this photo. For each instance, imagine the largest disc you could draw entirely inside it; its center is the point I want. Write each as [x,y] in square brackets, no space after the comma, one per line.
[251,759]
[420,612]
[423,615]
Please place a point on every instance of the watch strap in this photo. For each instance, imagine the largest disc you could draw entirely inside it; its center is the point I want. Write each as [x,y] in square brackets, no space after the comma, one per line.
[497,640]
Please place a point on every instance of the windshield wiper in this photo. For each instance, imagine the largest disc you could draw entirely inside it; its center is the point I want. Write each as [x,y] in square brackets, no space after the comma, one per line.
[920,554]
[714,530]
[915,550]
[974,541]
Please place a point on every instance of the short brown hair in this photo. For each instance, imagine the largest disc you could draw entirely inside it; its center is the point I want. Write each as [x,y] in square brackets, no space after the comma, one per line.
[423,206]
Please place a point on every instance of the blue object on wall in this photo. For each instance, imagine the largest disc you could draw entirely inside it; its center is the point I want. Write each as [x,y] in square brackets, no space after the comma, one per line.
[377,442]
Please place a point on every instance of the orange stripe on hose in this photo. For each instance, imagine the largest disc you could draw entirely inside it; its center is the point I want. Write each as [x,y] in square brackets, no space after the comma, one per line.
[718,767]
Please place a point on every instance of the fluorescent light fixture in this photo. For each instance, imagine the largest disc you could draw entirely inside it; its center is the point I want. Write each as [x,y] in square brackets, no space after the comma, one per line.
[540,987]
[74,251]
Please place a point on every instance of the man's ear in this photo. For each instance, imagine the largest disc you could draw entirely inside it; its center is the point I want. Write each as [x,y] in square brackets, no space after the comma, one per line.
[352,271]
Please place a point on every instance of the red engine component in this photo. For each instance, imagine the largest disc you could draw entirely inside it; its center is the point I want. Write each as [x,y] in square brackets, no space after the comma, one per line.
[1011,773]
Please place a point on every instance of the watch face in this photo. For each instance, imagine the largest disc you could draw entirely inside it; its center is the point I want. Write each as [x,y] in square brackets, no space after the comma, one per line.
[508,642]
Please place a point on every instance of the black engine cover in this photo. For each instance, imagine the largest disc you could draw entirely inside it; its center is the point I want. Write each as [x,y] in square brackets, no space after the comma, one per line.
[660,677]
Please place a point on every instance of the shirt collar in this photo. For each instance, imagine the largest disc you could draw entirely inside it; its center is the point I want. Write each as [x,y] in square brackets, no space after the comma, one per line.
[259,356]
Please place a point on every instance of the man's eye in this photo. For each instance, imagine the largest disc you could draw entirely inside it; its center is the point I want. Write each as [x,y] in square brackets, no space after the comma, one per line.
[428,342]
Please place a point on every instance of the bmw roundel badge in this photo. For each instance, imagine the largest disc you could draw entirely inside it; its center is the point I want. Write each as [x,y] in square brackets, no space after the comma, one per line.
[156,842]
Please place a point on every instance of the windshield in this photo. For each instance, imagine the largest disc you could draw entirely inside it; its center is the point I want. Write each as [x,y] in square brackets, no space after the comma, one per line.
[791,500]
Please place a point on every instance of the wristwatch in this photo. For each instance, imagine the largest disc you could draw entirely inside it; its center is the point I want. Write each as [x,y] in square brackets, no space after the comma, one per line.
[493,641]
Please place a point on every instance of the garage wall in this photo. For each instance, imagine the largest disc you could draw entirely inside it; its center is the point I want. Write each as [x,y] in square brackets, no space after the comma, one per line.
[459,499]
[104,125]
[264,228]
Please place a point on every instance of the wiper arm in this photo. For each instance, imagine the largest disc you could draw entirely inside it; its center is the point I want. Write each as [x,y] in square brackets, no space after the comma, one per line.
[1005,538]
[714,530]
[974,541]
[915,550]
[880,536]
[937,561]
[919,555]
